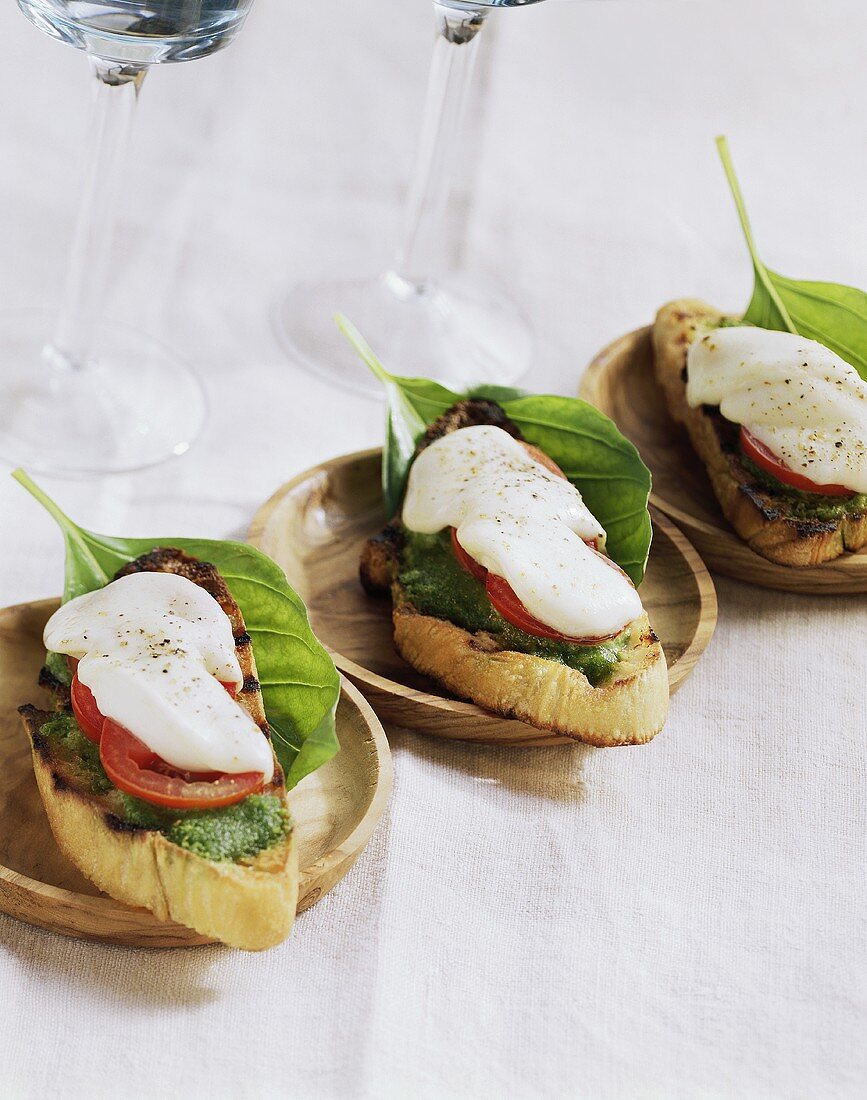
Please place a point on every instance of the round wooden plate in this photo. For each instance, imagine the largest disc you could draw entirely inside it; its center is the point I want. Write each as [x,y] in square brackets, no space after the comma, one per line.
[315,527]
[335,811]
[621,383]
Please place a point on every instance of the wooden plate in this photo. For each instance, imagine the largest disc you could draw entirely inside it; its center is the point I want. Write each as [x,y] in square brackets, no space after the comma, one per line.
[620,382]
[335,810]
[315,527]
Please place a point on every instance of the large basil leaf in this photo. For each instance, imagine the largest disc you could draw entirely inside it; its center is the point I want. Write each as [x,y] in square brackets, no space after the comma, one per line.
[830,313]
[604,466]
[299,682]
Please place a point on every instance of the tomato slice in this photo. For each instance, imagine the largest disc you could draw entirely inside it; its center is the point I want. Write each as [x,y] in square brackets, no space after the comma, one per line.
[465,561]
[502,596]
[87,713]
[765,458]
[134,768]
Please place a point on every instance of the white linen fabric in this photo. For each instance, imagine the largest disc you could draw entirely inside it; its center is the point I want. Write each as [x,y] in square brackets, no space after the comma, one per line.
[681,920]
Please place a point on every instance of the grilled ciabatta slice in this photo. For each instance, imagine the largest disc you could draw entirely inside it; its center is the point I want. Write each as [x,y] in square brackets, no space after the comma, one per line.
[765,519]
[627,708]
[249,903]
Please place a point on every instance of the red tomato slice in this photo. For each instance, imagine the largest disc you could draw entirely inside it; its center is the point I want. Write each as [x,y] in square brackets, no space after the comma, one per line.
[755,450]
[502,596]
[134,768]
[467,562]
[87,713]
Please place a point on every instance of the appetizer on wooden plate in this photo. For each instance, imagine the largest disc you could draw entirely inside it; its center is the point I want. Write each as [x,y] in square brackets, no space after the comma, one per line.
[519,535]
[774,404]
[163,780]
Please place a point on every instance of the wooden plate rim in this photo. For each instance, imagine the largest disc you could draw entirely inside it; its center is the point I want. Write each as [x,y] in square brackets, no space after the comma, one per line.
[707,603]
[346,851]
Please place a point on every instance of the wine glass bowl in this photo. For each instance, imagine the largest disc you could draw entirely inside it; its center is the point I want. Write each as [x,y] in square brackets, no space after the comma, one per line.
[142,32]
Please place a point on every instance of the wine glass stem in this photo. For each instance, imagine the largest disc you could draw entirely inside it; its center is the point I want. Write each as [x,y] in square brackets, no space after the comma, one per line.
[455,51]
[89,257]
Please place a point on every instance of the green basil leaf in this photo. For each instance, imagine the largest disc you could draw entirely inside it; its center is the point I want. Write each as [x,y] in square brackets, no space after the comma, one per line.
[833,314]
[405,425]
[604,466]
[496,393]
[830,313]
[300,685]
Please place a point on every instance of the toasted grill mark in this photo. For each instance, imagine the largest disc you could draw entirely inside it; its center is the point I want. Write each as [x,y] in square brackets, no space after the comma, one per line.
[33,719]
[814,528]
[761,500]
[242,639]
[118,826]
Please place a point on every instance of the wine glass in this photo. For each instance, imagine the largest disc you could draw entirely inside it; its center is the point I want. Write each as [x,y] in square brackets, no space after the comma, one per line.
[78,395]
[422,320]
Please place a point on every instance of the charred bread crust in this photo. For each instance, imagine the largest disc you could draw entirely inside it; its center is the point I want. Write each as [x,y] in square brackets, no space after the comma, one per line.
[469,413]
[249,904]
[630,708]
[763,519]
[380,559]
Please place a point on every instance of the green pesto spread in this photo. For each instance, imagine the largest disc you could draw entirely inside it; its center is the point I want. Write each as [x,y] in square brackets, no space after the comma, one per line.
[228,834]
[803,505]
[435,584]
[77,750]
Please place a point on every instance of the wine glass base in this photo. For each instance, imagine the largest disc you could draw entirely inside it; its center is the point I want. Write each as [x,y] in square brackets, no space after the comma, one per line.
[133,405]
[454,331]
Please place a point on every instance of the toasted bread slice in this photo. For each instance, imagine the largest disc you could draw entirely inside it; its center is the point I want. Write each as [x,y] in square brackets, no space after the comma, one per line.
[764,519]
[249,903]
[629,708]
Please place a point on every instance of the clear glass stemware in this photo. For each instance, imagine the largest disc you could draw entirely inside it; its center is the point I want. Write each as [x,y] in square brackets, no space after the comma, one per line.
[79,395]
[421,319]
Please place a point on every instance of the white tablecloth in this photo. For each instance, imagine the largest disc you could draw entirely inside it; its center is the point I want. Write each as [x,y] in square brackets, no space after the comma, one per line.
[681,920]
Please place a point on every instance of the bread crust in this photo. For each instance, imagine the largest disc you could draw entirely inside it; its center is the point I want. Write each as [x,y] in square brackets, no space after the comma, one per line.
[629,708]
[763,519]
[249,904]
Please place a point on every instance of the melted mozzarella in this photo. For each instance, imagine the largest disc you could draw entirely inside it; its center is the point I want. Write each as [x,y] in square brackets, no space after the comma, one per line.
[524,523]
[794,395]
[153,648]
